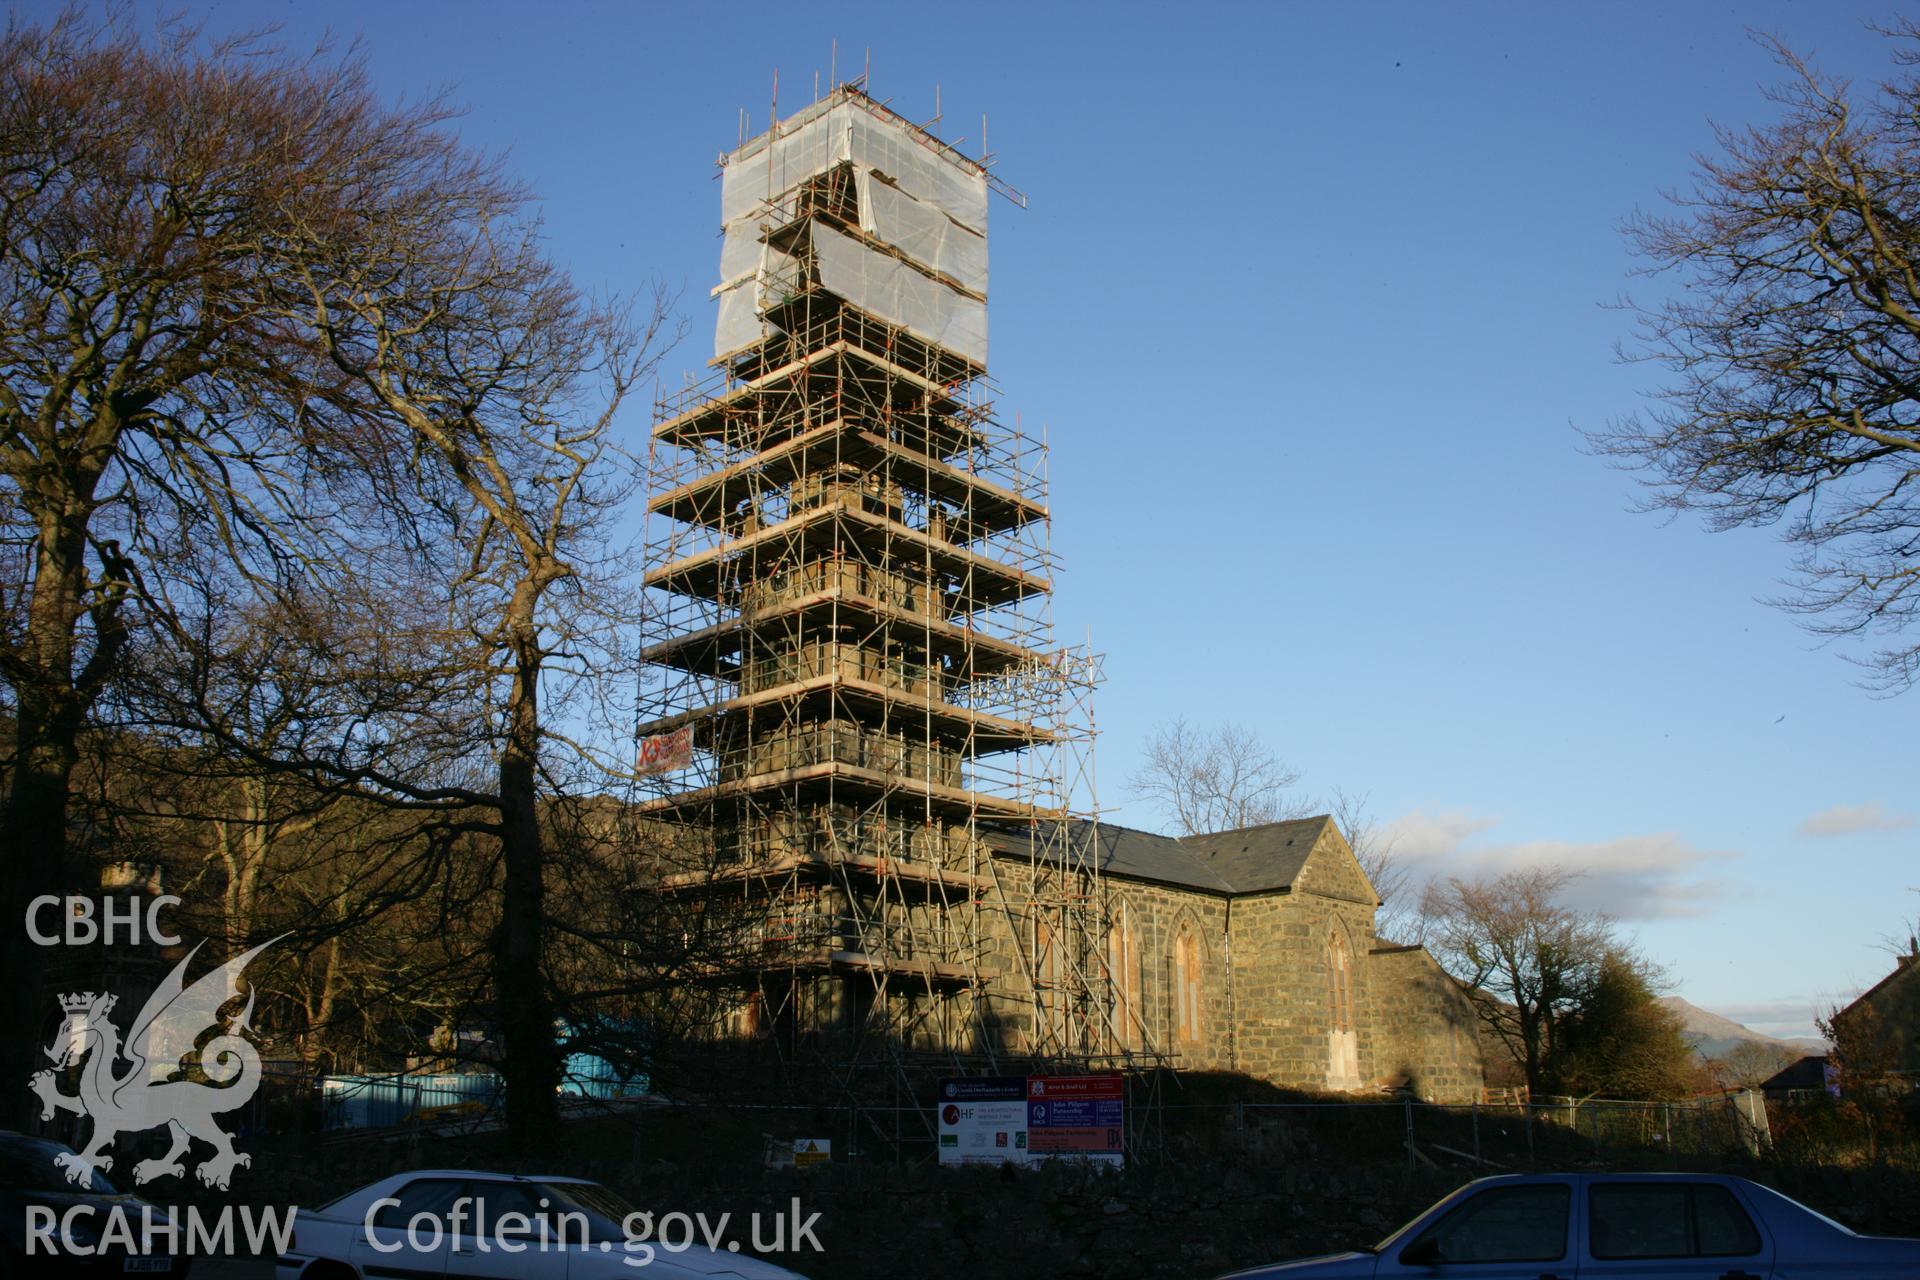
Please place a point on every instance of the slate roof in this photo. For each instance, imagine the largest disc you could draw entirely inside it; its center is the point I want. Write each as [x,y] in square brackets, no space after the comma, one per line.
[1258,859]
[1807,1073]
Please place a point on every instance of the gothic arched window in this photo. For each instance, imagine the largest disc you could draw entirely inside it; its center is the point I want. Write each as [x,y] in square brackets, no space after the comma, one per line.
[1187,986]
[1339,982]
[1046,983]
[1123,967]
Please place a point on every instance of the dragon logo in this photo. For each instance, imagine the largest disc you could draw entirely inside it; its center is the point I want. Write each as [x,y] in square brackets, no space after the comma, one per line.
[169,1081]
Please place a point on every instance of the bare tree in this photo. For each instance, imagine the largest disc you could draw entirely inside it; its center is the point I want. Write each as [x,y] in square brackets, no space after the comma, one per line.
[1215,780]
[1792,337]
[1905,941]
[1536,963]
[510,384]
[247,752]
[269,345]
[1749,1064]
[1226,778]
[154,394]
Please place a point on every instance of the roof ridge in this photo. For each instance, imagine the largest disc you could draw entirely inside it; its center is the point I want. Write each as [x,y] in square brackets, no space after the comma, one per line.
[1262,826]
[1900,967]
[1121,826]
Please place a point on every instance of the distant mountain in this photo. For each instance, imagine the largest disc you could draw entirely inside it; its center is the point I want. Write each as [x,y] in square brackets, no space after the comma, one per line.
[1712,1035]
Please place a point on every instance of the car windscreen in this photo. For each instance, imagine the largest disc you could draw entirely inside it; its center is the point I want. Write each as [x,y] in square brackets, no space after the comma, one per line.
[26,1164]
[607,1210]
[1518,1222]
[1399,1235]
[592,1197]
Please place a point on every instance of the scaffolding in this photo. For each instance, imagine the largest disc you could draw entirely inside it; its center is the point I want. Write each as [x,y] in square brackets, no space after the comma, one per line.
[849,612]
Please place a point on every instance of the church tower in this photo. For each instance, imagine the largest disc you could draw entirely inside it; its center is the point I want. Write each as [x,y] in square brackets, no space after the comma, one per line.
[850,674]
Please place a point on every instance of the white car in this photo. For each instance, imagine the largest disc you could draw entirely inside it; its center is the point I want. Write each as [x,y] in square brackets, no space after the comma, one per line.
[466,1223]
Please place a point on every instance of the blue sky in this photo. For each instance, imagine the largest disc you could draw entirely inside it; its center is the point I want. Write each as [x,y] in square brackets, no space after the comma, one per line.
[1311,301]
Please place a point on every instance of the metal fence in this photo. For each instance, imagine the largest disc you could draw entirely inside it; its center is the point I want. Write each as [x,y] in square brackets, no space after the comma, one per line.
[1734,1122]
[1543,1132]
[1489,1137]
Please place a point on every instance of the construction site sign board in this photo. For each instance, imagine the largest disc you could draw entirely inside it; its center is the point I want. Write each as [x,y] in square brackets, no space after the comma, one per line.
[812,1151]
[983,1120]
[1077,1117]
[1026,1119]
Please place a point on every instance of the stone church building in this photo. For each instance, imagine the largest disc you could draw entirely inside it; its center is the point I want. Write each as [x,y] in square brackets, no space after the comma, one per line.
[1254,951]
[1250,952]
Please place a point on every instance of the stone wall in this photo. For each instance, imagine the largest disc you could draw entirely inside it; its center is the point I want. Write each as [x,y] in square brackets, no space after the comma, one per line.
[1267,987]
[1426,1030]
[1156,916]
[1283,992]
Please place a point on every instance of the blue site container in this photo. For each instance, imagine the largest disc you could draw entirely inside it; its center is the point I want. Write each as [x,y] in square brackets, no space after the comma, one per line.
[375,1102]
[378,1102]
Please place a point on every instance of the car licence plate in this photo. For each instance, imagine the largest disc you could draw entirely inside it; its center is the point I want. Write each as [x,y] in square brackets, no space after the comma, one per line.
[147,1266]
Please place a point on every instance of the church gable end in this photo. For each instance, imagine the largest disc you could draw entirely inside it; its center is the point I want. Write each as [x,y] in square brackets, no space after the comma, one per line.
[1254,951]
[1332,871]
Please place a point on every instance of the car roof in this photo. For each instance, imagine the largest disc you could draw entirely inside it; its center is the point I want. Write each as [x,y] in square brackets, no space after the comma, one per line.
[1608,1175]
[14,1135]
[491,1175]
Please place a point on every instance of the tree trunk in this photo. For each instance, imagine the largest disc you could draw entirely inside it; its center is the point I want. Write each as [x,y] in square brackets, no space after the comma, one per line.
[320,1012]
[51,703]
[530,1059]
[1533,1066]
[33,833]
[243,855]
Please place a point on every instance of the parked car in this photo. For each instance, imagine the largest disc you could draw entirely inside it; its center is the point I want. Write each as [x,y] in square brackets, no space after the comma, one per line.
[469,1223]
[1650,1226]
[72,1219]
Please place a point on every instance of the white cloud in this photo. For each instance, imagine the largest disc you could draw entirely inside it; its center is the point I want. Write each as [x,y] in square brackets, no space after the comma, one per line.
[1635,877]
[1421,836]
[1852,819]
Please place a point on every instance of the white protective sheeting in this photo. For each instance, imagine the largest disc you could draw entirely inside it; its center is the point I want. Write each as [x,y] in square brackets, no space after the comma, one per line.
[739,253]
[849,131]
[887,213]
[923,233]
[739,320]
[896,293]
[809,144]
[959,191]
[742,300]
[926,204]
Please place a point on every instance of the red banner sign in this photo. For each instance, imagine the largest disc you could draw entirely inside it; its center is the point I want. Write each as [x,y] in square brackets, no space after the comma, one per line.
[665,752]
